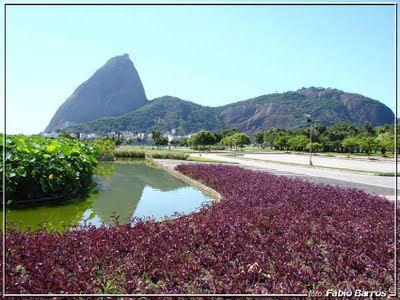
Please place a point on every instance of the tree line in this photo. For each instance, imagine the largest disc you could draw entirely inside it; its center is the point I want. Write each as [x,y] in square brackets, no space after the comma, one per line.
[341,137]
[231,138]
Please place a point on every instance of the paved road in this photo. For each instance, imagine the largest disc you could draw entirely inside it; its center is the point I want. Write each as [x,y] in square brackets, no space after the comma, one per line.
[335,162]
[380,185]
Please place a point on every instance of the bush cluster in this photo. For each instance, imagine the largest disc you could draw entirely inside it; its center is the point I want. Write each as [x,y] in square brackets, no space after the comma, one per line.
[216,148]
[130,152]
[269,234]
[39,168]
[167,154]
[141,153]
[105,148]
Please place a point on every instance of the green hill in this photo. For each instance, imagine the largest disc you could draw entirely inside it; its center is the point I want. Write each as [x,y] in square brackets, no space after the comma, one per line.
[165,113]
[286,110]
[327,106]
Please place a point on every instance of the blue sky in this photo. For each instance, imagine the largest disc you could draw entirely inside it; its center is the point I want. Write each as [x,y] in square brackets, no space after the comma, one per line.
[211,55]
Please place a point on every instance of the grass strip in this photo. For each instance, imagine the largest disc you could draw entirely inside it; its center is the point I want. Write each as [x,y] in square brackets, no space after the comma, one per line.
[319,167]
[203,159]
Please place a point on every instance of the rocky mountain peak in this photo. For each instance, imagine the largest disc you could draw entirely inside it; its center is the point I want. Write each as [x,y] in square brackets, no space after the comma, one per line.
[112,90]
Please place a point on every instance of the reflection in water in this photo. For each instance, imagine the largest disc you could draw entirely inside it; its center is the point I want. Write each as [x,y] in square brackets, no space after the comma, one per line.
[121,193]
[105,169]
[157,204]
[57,217]
[135,188]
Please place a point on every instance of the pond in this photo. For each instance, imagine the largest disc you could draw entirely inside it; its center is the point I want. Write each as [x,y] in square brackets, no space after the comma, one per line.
[131,188]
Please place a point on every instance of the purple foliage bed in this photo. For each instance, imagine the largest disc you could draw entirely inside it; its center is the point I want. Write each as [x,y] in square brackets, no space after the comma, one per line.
[269,234]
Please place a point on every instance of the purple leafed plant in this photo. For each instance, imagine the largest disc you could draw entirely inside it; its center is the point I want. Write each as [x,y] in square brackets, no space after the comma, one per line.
[269,234]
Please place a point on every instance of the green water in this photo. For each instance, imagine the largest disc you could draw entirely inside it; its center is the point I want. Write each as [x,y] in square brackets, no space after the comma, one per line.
[125,189]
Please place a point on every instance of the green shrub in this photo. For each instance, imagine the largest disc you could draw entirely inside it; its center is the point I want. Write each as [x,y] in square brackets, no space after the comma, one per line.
[104,169]
[38,168]
[167,154]
[105,148]
[142,153]
[130,152]
[216,148]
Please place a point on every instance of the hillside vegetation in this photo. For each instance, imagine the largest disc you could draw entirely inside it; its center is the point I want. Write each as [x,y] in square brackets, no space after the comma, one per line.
[285,110]
[162,113]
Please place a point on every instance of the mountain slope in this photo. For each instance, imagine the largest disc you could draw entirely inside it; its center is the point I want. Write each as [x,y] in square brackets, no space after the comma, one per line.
[287,110]
[112,90]
[166,113]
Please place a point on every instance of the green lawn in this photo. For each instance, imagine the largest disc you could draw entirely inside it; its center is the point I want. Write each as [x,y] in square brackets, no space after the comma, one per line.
[362,155]
[268,149]
[319,167]
[203,159]
[329,154]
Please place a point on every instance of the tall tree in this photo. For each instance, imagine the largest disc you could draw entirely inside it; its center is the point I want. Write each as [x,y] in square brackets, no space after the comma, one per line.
[159,139]
[155,135]
[259,137]
[272,134]
[385,142]
[240,140]
[228,141]
[367,144]
[350,143]
[202,138]
[298,142]
[337,133]
[368,130]
[229,131]
[282,141]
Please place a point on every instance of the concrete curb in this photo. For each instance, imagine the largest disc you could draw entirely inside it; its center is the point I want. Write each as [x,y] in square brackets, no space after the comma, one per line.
[214,195]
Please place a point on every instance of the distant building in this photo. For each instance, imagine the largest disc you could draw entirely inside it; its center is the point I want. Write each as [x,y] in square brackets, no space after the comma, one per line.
[92,136]
[54,134]
[69,123]
[176,137]
[141,135]
[111,134]
[128,135]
